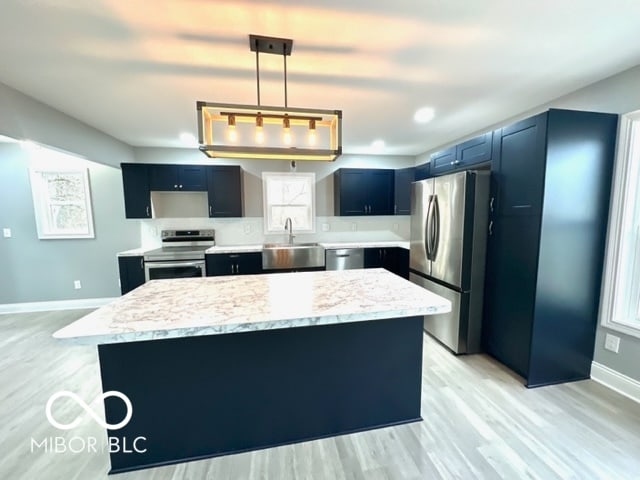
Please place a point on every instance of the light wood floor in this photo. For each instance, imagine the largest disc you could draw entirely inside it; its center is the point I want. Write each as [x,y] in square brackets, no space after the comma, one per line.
[479,422]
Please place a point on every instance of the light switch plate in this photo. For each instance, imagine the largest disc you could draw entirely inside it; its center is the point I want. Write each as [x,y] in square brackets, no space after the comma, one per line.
[6,232]
[354,227]
[77,285]
[612,343]
[325,227]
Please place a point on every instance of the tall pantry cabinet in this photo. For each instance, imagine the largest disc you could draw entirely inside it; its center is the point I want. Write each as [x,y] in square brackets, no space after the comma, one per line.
[548,219]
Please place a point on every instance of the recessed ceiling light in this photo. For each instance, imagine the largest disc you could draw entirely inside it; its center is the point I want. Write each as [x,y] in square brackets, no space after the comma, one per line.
[188,139]
[424,115]
[377,145]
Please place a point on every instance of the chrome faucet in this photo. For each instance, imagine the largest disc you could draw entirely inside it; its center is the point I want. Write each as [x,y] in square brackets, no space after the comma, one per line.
[288,225]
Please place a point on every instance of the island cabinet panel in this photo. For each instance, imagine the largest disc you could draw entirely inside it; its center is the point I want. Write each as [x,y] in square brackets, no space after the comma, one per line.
[233,263]
[363,191]
[187,178]
[402,190]
[131,273]
[225,191]
[137,195]
[205,396]
[545,251]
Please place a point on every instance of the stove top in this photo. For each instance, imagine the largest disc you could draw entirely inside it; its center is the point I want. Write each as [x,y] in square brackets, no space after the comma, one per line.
[182,245]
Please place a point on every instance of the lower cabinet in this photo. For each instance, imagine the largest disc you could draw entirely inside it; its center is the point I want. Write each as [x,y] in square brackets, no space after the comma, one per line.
[233,263]
[394,259]
[131,273]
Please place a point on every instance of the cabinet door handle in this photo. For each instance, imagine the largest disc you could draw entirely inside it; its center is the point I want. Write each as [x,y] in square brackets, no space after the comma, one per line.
[456,162]
[451,163]
[395,209]
[175,186]
[237,268]
[148,213]
[210,210]
[491,227]
[491,204]
[142,263]
[180,186]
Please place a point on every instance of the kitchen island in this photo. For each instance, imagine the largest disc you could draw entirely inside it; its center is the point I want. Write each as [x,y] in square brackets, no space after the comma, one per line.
[221,365]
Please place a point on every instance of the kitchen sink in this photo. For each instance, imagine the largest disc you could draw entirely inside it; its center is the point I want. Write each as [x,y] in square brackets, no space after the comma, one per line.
[287,256]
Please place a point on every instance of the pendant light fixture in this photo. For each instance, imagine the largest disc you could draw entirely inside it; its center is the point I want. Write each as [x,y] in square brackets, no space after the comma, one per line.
[268,132]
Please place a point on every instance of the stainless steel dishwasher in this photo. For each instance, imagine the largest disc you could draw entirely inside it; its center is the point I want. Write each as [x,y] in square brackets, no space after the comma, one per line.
[345,259]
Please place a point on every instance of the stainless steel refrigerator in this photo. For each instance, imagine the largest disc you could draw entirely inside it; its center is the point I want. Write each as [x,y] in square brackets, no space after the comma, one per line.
[449,217]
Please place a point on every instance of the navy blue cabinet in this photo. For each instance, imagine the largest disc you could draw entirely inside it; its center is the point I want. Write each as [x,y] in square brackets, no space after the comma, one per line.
[402,190]
[443,161]
[423,171]
[475,150]
[131,273]
[363,191]
[394,259]
[187,178]
[549,209]
[225,191]
[463,156]
[233,263]
[135,183]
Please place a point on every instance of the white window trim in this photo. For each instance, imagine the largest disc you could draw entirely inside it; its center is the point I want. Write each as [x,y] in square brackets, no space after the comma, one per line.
[45,231]
[311,177]
[610,306]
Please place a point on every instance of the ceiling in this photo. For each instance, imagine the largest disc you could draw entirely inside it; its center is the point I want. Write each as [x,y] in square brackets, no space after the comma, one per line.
[135,69]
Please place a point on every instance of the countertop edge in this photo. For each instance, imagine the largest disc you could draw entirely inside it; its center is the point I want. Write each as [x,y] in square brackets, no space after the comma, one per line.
[164,334]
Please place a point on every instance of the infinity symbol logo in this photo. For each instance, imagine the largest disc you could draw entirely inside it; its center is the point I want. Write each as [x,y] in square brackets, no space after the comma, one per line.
[79,401]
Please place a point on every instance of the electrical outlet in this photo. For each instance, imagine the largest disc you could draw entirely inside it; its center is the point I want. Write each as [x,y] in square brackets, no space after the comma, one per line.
[6,232]
[77,285]
[354,227]
[611,342]
[325,227]
[247,229]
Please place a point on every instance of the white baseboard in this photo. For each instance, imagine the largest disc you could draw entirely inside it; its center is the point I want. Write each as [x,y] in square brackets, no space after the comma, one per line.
[56,305]
[622,384]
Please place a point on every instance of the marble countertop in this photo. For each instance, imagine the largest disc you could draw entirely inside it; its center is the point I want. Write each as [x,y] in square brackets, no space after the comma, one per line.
[134,252]
[234,249]
[174,308]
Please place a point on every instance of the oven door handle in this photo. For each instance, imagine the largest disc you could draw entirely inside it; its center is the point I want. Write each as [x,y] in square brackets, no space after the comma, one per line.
[199,263]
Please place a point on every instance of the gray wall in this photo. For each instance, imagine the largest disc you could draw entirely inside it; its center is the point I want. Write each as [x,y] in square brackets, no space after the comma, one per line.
[617,94]
[41,270]
[253,172]
[23,117]
[44,270]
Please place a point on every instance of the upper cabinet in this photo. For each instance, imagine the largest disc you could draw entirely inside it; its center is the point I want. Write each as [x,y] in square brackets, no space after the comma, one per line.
[187,178]
[474,151]
[135,182]
[443,161]
[223,185]
[363,191]
[225,191]
[402,190]
[423,171]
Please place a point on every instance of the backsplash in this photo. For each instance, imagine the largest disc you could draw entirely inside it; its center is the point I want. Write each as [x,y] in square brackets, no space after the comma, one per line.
[249,230]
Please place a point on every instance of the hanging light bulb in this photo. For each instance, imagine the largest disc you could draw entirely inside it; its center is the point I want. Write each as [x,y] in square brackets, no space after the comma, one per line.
[286,124]
[259,129]
[232,134]
[312,132]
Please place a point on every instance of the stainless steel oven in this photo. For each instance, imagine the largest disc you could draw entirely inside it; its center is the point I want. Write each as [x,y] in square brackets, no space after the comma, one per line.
[181,255]
[174,269]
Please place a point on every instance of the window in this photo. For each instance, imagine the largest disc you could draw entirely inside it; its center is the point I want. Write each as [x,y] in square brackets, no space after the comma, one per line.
[289,195]
[62,203]
[621,292]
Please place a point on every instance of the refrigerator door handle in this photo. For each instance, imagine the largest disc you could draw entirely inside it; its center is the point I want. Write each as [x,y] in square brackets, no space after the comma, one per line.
[427,229]
[435,243]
